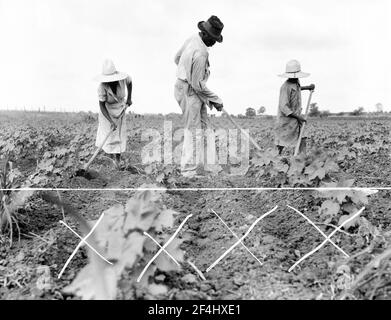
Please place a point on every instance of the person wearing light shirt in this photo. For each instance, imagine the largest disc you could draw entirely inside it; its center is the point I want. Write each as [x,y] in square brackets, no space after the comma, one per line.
[192,94]
[115,96]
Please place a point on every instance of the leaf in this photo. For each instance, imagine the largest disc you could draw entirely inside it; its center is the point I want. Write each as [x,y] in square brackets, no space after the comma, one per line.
[160,277]
[350,224]
[338,195]
[59,152]
[157,289]
[296,168]
[44,280]
[329,208]
[18,199]
[149,273]
[132,250]
[171,181]
[315,170]
[111,224]
[160,178]
[366,228]
[148,169]
[264,159]
[164,220]
[94,283]
[140,214]
[349,208]
[164,262]
[120,237]
[330,166]
[359,197]
[189,278]
[281,167]
[318,173]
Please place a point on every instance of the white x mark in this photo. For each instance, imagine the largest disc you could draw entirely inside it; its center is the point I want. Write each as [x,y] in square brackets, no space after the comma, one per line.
[320,231]
[241,239]
[327,239]
[236,236]
[164,247]
[158,244]
[83,240]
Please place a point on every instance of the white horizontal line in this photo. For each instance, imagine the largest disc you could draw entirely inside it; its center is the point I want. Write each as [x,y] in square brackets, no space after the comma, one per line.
[194,189]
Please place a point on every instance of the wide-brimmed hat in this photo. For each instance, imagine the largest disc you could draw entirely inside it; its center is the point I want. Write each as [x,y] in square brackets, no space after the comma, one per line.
[213,26]
[110,73]
[293,70]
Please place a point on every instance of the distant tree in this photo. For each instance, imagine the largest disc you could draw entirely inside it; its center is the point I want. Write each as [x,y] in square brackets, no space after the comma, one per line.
[250,113]
[261,110]
[379,107]
[357,112]
[325,113]
[314,110]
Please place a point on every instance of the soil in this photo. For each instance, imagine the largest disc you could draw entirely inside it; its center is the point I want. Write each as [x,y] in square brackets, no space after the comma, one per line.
[278,241]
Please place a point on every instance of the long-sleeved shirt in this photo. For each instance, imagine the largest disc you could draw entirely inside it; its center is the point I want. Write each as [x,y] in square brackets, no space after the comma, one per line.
[287,129]
[290,99]
[114,102]
[192,60]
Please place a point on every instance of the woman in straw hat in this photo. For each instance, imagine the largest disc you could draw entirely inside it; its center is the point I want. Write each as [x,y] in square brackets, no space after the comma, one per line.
[112,102]
[289,119]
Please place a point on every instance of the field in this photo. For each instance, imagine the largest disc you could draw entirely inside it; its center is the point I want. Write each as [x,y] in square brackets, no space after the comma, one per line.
[43,151]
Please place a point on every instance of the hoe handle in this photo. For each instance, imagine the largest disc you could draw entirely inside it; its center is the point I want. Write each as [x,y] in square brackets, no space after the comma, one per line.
[104,141]
[303,125]
[97,150]
[243,132]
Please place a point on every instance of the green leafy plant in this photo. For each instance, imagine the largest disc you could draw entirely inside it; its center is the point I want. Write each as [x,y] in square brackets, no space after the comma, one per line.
[10,200]
[120,238]
[303,170]
[342,204]
[163,174]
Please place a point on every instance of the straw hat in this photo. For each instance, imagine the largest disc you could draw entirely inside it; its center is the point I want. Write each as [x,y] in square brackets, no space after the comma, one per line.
[110,73]
[293,70]
[213,26]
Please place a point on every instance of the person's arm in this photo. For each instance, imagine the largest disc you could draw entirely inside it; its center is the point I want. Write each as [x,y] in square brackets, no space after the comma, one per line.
[298,118]
[285,105]
[311,87]
[198,82]
[178,56]
[102,94]
[129,86]
[179,53]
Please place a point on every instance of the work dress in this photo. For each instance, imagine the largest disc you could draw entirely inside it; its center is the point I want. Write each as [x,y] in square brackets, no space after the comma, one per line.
[287,129]
[115,104]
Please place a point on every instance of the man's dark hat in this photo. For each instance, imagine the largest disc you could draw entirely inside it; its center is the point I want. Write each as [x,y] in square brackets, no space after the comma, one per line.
[213,26]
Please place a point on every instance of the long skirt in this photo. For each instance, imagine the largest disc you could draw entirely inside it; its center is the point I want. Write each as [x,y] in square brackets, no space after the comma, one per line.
[116,143]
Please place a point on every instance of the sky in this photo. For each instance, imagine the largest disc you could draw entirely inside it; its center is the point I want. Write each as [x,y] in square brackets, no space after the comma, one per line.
[52,49]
